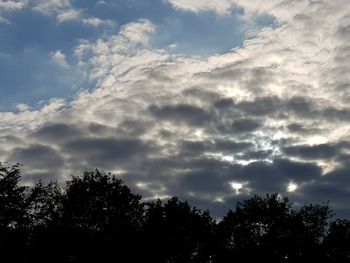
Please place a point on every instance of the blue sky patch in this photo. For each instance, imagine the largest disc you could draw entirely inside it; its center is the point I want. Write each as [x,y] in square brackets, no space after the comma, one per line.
[28,76]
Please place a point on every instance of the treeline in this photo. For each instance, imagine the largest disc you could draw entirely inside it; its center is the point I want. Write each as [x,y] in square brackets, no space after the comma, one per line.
[96,218]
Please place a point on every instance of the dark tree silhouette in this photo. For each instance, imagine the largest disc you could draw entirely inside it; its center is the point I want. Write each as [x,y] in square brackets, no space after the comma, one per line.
[12,213]
[256,230]
[337,242]
[96,218]
[11,197]
[308,229]
[176,232]
[102,219]
[267,228]
[43,212]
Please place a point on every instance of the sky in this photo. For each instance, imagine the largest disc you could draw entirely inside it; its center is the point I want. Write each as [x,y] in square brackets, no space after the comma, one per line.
[210,101]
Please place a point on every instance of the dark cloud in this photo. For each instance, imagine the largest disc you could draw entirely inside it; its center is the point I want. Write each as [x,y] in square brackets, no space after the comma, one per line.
[316,109]
[257,155]
[320,192]
[278,174]
[260,106]
[204,181]
[258,173]
[321,151]
[11,139]
[219,146]
[223,103]
[296,128]
[57,132]
[332,113]
[37,156]
[298,171]
[194,148]
[41,161]
[339,177]
[133,128]
[106,152]
[301,106]
[244,125]
[196,176]
[275,107]
[229,146]
[187,113]
[99,129]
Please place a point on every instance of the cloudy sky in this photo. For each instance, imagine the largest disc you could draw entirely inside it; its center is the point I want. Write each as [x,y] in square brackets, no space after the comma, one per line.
[211,101]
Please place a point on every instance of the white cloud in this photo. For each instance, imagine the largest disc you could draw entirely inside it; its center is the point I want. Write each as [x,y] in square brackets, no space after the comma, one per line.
[138,32]
[59,58]
[4,21]
[62,10]
[23,107]
[283,10]
[51,6]
[28,120]
[68,15]
[221,7]
[101,2]
[12,5]
[94,21]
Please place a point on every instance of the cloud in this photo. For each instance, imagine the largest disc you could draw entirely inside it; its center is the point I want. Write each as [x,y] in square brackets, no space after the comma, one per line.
[51,6]
[282,10]
[112,148]
[181,113]
[221,7]
[59,58]
[244,125]
[62,10]
[47,7]
[96,22]
[4,21]
[43,161]
[321,151]
[210,129]
[61,132]
[68,15]
[12,5]
[138,32]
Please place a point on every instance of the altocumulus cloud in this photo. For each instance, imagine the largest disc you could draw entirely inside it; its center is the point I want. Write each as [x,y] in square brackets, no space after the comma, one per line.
[260,118]
[61,10]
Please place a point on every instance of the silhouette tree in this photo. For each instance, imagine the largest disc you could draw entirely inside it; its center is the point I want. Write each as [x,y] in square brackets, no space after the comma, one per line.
[102,219]
[97,218]
[337,242]
[308,229]
[12,212]
[267,228]
[256,230]
[44,212]
[11,197]
[176,232]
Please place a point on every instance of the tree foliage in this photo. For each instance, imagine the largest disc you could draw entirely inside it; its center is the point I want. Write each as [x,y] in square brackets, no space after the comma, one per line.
[95,217]
[177,232]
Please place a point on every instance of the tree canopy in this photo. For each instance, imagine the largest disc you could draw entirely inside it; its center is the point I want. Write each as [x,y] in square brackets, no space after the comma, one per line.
[96,217]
